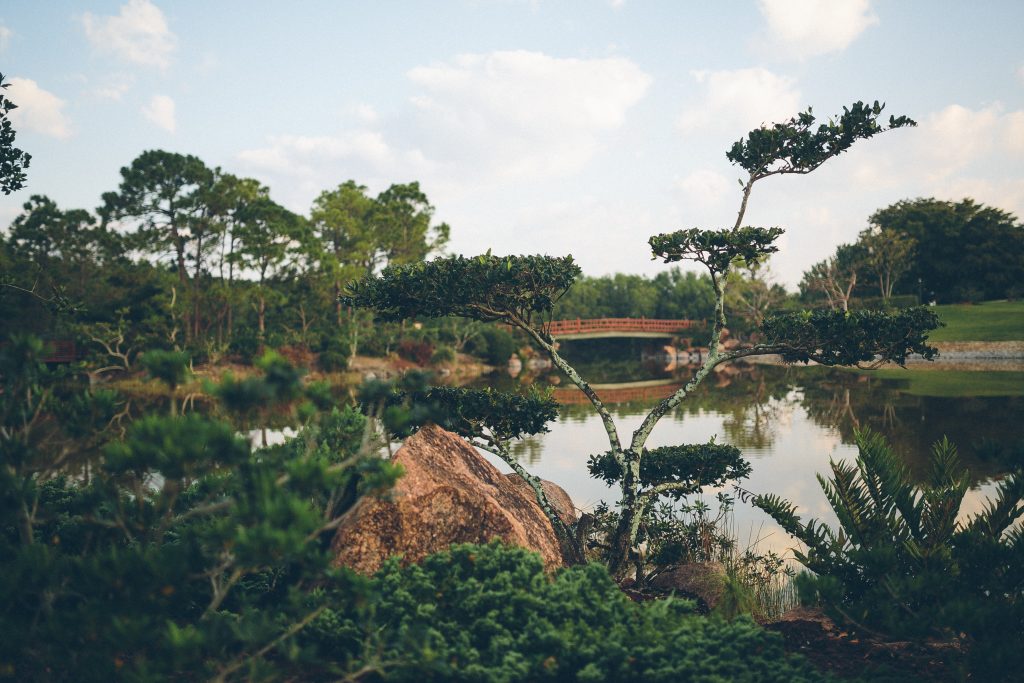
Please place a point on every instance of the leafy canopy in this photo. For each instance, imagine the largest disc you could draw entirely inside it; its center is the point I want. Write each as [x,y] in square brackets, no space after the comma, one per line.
[796,146]
[851,337]
[685,469]
[483,287]
[13,161]
[716,249]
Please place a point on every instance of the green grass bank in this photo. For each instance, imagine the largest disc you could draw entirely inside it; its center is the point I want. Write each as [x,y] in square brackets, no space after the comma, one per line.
[988,321]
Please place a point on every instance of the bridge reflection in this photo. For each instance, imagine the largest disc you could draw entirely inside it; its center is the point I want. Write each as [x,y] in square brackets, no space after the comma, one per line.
[623,392]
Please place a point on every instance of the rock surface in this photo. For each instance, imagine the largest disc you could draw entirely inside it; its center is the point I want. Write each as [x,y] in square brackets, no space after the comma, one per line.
[557,496]
[448,494]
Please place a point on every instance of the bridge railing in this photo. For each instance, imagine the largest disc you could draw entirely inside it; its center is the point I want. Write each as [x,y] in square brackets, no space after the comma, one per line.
[584,326]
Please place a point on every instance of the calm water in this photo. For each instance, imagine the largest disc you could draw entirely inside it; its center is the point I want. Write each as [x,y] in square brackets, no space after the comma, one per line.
[789,422]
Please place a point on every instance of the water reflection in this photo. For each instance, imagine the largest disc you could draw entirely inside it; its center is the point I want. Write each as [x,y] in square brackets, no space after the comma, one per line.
[789,422]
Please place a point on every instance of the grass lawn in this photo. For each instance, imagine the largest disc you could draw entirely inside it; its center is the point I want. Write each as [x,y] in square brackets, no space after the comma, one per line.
[953,383]
[989,321]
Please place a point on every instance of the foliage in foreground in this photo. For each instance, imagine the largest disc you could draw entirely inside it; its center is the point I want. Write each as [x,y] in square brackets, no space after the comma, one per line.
[491,613]
[173,551]
[901,563]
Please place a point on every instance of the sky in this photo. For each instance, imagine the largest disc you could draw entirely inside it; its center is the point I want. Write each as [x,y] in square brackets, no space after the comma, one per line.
[533,127]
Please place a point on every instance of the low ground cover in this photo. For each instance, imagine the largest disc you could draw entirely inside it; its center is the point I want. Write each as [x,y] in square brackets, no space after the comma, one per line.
[954,383]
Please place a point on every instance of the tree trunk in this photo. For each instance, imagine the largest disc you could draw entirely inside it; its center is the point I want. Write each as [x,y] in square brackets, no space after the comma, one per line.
[261,325]
[337,302]
[629,517]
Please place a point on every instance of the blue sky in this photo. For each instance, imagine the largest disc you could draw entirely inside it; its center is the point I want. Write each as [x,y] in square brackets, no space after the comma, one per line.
[555,127]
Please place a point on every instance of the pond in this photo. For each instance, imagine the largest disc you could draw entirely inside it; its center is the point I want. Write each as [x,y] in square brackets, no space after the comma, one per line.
[788,422]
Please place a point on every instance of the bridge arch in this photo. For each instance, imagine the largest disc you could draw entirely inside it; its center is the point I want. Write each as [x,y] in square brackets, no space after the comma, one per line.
[596,328]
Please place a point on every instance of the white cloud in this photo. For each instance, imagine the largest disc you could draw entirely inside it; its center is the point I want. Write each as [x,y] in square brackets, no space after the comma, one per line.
[741,99]
[302,154]
[365,113]
[524,114]
[139,34]
[5,37]
[160,111]
[705,188]
[475,122]
[804,28]
[114,87]
[38,110]
[1014,134]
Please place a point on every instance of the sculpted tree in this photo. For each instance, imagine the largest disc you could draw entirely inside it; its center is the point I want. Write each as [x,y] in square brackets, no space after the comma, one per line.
[13,161]
[521,291]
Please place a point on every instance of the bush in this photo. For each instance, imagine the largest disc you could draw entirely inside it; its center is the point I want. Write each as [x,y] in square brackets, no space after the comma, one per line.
[333,354]
[419,352]
[443,354]
[903,565]
[184,555]
[491,613]
[495,345]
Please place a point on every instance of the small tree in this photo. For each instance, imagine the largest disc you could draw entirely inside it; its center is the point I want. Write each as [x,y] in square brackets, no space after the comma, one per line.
[521,291]
[836,276]
[888,254]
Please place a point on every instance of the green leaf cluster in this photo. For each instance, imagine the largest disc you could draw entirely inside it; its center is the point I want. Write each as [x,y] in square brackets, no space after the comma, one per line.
[13,161]
[716,249]
[797,146]
[687,468]
[493,416]
[491,613]
[850,337]
[484,287]
[905,562]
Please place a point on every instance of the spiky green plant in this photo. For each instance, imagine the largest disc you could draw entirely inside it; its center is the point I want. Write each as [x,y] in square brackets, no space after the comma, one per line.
[904,562]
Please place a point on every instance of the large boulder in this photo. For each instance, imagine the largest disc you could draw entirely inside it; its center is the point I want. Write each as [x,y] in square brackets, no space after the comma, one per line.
[556,495]
[448,494]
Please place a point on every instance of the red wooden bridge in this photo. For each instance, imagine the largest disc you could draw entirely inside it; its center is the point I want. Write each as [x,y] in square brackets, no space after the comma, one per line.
[620,327]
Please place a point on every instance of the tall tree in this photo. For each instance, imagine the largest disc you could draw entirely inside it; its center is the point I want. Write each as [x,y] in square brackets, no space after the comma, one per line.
[964,249]
[342,227]
[163,194]
[403,222]
[270,238]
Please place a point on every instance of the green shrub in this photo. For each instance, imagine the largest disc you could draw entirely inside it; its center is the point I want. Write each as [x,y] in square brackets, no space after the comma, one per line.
[903,565]
[491,613]
[495,345]
[333,354]
[182,554]
[443,354]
